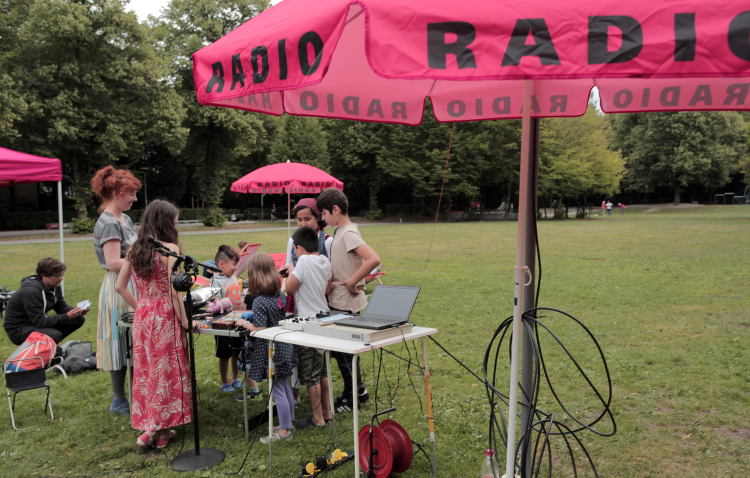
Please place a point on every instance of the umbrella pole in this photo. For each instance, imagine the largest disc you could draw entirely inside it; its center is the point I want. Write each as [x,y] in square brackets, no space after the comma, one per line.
[522,277]
[288,216]
[60,227]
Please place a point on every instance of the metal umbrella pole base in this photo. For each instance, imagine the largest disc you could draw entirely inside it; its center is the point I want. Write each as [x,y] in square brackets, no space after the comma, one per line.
[191,461]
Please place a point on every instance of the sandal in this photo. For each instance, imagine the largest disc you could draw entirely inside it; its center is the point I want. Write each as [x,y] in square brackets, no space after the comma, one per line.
[236,384]
[308,422]
[164,441]
[146,442]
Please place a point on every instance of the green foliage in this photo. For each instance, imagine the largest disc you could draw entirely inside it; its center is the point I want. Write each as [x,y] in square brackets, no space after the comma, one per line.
[300,139]
[92,85]
[82,226]
[374,215]
[560,212]
[677,150]
[215,218]
[219,139]
[417,156]
[574,157]
[30,220]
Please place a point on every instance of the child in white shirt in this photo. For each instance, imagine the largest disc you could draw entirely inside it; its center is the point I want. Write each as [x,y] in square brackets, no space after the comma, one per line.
[310,281]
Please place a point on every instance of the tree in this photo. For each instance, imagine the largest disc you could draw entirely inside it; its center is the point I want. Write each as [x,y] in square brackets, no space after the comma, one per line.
[91,80]
[354,148]
[219,139]
[300,139]
[416,156]
[575,160]
[493,147]
[679,150]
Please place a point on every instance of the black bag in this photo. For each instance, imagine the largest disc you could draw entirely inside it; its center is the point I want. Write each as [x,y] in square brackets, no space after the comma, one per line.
[79,363]
[75,347]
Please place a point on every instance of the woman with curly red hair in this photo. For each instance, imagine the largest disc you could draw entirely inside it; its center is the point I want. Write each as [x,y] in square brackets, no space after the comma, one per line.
[114,234]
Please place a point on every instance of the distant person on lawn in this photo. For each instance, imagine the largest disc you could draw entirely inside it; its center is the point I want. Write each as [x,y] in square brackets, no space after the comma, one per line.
[40,293]
[609,208]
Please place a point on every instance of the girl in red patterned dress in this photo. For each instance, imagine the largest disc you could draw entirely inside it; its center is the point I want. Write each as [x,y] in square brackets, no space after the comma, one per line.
[162,397]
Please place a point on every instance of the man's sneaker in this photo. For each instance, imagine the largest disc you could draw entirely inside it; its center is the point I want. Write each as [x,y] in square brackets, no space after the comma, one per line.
[363,397]
[343,404]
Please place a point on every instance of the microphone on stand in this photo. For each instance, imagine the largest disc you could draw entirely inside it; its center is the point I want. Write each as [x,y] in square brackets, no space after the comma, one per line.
[158,244]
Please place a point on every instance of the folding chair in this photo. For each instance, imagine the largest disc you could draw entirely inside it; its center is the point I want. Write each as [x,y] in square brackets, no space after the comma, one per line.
[18,382]
[245,254]
[372,277]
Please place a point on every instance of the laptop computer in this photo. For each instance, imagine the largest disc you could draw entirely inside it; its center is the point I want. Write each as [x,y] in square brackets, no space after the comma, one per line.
[389,306]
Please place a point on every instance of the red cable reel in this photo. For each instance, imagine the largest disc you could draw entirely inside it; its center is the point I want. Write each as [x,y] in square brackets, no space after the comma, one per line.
[392,450]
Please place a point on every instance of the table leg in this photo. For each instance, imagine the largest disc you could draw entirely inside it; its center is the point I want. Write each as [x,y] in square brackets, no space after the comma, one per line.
[244,401]
[330,395]
[429,407]
[355,413]
[270,406]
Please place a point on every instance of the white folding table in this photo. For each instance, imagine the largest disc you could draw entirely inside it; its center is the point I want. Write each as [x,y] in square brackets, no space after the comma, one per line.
[330,344]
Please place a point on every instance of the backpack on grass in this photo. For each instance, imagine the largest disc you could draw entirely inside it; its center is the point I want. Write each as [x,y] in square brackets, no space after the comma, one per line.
[36,352]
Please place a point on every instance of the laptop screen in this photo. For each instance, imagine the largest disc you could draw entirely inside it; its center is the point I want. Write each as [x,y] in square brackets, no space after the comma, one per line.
[392,301]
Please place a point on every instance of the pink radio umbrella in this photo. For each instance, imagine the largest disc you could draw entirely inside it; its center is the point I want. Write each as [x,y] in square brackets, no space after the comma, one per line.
[291,178]
[379,60]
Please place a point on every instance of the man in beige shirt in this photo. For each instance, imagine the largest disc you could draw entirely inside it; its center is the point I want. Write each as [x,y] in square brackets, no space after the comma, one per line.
[351,260]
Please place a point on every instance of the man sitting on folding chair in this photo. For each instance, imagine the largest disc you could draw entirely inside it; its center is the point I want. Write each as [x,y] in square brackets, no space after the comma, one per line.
[40,293]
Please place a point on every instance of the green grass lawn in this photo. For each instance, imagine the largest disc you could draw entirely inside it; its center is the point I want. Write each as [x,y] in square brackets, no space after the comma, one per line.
[666,295]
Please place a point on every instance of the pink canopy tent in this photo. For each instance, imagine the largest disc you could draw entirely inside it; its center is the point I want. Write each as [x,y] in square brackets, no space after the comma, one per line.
[21,168]
[292,178]
[378,60]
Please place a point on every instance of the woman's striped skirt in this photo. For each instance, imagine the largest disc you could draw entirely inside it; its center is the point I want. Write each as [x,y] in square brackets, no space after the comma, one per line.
[110,339]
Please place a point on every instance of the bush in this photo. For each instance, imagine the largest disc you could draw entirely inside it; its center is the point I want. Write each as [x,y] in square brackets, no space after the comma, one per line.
[374,215]
[560,212]
[215,218]
[21,221]
[82,226]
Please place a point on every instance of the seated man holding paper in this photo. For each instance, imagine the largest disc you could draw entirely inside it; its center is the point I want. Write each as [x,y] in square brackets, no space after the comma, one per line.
[40,293]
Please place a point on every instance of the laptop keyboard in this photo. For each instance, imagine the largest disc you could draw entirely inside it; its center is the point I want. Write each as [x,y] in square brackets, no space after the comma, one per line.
[377,320]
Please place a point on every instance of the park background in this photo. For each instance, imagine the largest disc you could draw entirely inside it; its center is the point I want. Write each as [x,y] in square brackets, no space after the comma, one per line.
[86,82]
[665,292]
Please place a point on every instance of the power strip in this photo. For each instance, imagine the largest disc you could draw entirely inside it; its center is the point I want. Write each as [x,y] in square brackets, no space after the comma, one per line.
[292,324]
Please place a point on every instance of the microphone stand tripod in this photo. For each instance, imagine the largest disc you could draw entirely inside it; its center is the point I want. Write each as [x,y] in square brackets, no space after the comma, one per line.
[197,459]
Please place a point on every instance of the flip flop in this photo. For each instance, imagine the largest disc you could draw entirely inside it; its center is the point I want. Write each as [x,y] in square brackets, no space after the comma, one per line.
[164,441]
[309,415]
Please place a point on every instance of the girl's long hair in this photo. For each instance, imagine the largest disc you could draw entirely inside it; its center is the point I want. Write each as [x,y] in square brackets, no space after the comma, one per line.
[262,275]
[157,221]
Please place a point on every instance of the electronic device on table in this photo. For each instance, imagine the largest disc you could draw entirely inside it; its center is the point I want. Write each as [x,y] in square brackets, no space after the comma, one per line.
[328,327]
[389,305]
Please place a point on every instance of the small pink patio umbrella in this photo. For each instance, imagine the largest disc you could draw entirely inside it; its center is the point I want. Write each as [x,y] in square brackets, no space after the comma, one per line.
[292,178]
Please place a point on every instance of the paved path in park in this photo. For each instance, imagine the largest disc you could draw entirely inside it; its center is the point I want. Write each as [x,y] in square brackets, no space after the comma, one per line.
[185,233]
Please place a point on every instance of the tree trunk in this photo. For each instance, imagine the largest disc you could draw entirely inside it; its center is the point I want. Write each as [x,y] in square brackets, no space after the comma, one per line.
[448,208]
[79,191]
[585,204]
[374,189]
[507,198]
[677,192]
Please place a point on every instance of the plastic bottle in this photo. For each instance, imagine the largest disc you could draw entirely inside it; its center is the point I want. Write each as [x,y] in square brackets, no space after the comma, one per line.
[487,467]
